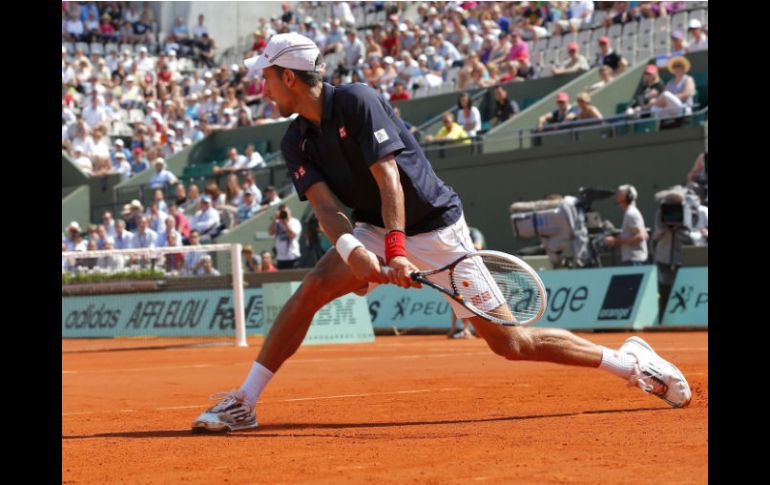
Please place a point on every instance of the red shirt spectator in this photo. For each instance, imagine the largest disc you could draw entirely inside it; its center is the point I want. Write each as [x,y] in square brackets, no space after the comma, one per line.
[400,93]
[182,223]
[391,43]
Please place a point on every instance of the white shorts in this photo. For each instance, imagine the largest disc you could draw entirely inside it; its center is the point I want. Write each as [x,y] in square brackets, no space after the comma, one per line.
[433,250]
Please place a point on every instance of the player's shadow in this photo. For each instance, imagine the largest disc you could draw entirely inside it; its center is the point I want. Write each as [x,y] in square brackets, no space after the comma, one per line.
[269,430]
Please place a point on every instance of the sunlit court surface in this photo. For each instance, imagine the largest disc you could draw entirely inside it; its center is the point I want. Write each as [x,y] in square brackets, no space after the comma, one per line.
[403,409]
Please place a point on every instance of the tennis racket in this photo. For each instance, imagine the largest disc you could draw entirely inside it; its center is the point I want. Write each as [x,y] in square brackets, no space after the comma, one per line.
[493,285]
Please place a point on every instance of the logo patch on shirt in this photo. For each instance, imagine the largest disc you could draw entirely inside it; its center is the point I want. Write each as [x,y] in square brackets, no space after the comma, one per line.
[300,172]
[343,133]
[381,135]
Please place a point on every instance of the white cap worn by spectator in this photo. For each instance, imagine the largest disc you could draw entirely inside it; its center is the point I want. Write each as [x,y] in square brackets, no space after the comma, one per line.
[292,51]
[135,204]
[119,143]
[694,24]
[74,225]
[402,27]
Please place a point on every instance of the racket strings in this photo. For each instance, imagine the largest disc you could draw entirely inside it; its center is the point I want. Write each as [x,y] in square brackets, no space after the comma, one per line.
[498,287]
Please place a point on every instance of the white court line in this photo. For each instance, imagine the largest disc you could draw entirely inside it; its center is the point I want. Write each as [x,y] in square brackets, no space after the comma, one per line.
[343,359]
[316,398]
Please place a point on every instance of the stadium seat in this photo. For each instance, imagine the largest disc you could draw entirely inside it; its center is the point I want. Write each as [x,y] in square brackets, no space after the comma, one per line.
[126,47]
[644,35]
[135,115]
[643,54]
[70,48]
[615,30]
[661,36]
[628,48]
[679,22]
[111,47]
[599,16]
[631,28]
[97,48]
[84,47]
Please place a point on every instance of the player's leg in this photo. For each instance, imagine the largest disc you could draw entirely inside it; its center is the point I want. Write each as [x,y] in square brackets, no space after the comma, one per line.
[635,361]
[535,343]
[330,279]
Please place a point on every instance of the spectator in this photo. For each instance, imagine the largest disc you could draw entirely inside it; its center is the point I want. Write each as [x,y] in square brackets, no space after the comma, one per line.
[678,45]
[206,221]
[162,178]
[341,11]
[699,171]
[81,161]
[140,163]
[699,40]
[450,131]
[633,236]
[218,199]
[267,262]
[518,47]
[109,224]
[271,197]
[608,57]
[74,31]
[468,116]
[180,196]
[122,166]
[252,261]
[193,198]
[500,50]
[605,77]
[180,220]
[619,15]
[206,267]
[504,107]
[72,229]
[132,218]
[174,261]
[131,97]
[586,111]
[286,230]
[155,217]
[399,92]
[679,95]
[233,162]
[249,183]
[233,193]
[205,51]
[288,17]
[180,34]
[192,259]
[252,158]
[168,229]
[268,112]
[412,129]
[200,28]
[576,62]
[114,262]
[524,70]
[354,50]
[650,89]
[577,14]
[122,238]
[243,119]
[248,207]
[143,29]
[559,115]
[145,237]
[532,21]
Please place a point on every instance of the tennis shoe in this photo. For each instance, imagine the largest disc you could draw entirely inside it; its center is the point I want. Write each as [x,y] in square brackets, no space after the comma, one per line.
[232,413]
[655,375]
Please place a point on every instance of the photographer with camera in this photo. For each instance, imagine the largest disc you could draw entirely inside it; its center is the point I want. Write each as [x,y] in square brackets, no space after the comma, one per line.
[633,236]
[286,230]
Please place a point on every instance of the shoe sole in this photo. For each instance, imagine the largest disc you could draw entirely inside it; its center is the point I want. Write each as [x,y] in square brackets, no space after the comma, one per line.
[642,343]
[203,428]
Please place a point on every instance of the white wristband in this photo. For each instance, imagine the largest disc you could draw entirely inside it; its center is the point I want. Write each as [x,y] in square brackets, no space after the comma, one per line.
[346,244]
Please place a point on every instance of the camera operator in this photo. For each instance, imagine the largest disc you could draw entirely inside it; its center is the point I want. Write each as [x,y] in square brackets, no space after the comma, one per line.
[286,230]
[633,236]
[672,231]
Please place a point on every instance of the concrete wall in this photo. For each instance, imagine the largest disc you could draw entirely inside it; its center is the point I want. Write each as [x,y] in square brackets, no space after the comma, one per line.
[75,206]
[71,175]
[227,21]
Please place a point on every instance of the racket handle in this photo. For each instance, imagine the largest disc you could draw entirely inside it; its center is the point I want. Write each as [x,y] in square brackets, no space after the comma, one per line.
[387,270]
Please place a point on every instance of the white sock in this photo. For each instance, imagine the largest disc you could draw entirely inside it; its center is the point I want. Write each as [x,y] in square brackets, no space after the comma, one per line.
[258,378]
[622,365]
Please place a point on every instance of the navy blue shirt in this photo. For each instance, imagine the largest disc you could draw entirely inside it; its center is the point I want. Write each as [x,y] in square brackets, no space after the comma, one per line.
[358,128]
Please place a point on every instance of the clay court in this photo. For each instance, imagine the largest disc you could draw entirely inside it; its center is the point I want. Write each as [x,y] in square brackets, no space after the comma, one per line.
[408,409]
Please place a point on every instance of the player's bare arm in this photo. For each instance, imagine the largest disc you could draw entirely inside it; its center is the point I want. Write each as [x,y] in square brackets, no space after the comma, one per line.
[363,263]
[386,174]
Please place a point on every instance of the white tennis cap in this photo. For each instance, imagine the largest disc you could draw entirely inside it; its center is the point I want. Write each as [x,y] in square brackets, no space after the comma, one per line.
[292,51]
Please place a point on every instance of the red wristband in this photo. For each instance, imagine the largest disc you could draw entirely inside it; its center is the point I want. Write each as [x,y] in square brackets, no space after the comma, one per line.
[394,244]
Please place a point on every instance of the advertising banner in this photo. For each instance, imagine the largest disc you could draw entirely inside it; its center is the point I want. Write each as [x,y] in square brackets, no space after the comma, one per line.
[688,303]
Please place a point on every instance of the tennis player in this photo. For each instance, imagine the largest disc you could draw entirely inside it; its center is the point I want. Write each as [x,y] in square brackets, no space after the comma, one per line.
[348,147]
